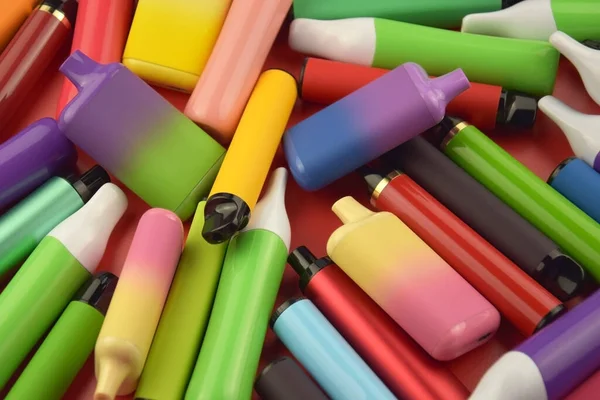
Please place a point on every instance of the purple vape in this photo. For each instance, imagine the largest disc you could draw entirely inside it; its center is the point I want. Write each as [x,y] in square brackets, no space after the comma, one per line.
[551,363]
[31,157]
[367,123]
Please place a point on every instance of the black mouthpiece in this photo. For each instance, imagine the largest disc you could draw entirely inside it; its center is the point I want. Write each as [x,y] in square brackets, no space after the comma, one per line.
[509,3]
[516,109]
[559,168]
[306,265]
[89,183]
[99,291]
[561,275]
[372,177]
[281,309]
[224,215]
[592,44]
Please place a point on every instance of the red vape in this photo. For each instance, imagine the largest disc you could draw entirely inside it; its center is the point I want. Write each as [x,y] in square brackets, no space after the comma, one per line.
[520,299]
[325,82]
[101,33]
[30,52]
[398,361]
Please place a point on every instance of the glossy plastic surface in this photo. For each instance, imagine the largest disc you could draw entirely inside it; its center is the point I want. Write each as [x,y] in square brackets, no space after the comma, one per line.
[578,18]
[14,13]
[284,379]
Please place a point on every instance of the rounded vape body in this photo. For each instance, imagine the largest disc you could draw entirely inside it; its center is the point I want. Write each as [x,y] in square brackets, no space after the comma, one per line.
[283,379]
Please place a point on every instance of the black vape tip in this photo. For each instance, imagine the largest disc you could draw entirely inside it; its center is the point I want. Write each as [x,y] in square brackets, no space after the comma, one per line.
[592,44]
[281,309]
[516,109]
[89,183]
[68,7]
[266,369]
[224,215]
[559,168]
[99,291]
[372,177]
[509,3]
[551,316]
[561,275]
[301,259]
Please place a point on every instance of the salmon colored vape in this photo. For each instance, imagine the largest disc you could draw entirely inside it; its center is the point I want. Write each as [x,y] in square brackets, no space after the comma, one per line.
[101,32]
[14,13]
[520,299]
[415,286]
[221,94]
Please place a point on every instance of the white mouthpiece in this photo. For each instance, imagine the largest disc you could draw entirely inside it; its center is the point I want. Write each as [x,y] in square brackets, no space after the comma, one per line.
[529,19]
[585,59]
[85,233]
[582,130]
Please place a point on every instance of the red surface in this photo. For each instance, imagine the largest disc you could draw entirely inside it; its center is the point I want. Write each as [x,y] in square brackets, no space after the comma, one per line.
[312,221]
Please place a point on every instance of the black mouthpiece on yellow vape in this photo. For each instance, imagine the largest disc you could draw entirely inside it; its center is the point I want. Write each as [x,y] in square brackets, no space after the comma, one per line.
[224,215]
[516,109]
[561,275]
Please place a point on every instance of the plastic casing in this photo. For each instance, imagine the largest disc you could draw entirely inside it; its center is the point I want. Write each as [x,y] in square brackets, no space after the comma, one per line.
[139,137]
[14,13]
[170,43]
[283,379]
[577,18]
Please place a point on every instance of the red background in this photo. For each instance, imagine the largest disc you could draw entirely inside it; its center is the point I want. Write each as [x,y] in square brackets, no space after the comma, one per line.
[312,221]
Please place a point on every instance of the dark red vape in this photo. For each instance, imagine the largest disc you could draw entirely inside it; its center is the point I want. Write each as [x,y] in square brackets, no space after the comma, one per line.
[398,361]
[30,52]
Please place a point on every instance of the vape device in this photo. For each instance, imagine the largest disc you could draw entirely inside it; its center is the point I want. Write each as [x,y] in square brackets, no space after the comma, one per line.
[169,43]
[527,66]
[45,284]
[132,318]
[399,362]
[414,285]
[25,225]
[574,231]
[139,137]
[246,164]
[218,101]
[14,13]
[283,379]
[68,345]
[371,121]
[31,157]
[250,278]
[325,354]
[325,82]
[496,222]
[184,318]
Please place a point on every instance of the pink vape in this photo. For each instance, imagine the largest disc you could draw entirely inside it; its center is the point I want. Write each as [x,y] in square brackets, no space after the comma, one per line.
[234,65]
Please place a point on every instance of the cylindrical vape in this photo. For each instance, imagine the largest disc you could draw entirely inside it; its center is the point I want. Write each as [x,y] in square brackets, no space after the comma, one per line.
[31,157]
[254,145]
[550,364]
[138,301]
[519,298]
[415,286]
[25,225]
[68,345]
[283,379]
[325,82]
[554,215]
[398,361]
[527,66]
[101,32]
[138,136]
[184,318]
[218,101]
[14,13]
[325,354]
[29,53]
[47,281]
[496,222]
[362,126]
[579,183]
[169,43]
[246,293]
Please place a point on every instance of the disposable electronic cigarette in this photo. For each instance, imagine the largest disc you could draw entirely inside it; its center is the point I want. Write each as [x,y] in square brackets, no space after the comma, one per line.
[31,157]
[527,66]
[101,31]
[538,19]
[438,13]
[550,364]
[579,183]
[138,301]
[68,345]
[580,129]
[246,293]
[574,231]
[138,136]
[496,222]
[14,13]
[25,225]
[256,140]
[520,299]
[283,379]
[169,43]
[415,286]
[325,82]
[398,361]
[29,53]
[184,318]
[48,280]
[324,353]
[371,121]
[218,101]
